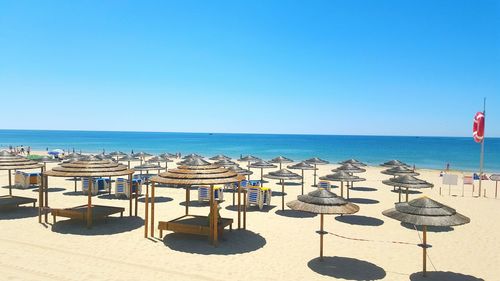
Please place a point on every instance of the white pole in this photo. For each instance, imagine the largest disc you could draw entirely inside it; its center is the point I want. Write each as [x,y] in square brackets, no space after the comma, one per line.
[482,149]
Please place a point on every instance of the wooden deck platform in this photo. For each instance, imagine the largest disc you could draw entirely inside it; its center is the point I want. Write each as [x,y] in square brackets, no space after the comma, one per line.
[9,201]
[191,224]
[80,212]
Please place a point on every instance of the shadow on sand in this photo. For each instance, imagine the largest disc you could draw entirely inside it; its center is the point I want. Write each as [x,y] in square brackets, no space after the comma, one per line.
[295,214]
[73,193]
[158,199]
[52,189]
[18,213]
[442,276]
[429,228]
[234,242]
[346,268]
[290,183]
[403,191]
[359,220]
[360,188]
[196,203]
[265,208]
[363,201]
[113,225]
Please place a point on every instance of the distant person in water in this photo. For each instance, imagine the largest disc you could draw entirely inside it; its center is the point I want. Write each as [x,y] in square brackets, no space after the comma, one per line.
[447,166]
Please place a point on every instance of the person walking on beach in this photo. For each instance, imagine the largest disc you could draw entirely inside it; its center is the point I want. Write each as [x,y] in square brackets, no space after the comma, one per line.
[29,150]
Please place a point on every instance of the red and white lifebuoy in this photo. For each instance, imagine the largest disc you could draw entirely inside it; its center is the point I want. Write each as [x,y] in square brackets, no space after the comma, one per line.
[478,127]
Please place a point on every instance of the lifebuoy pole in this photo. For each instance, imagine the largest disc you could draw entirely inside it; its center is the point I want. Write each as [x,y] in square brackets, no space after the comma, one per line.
[481,164]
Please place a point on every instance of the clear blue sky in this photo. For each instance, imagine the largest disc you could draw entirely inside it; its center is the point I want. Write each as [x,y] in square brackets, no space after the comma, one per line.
[326,67]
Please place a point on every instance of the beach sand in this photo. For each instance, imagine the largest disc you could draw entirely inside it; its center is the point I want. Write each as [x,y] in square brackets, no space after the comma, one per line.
[277,245]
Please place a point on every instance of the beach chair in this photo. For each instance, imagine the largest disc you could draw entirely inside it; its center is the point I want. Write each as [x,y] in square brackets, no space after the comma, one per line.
[85,186]
[103,184]
[255,182]
[34,179]
[136,185]
[253,197]
[204,193]
[324,185]
[21,180]
[121,187]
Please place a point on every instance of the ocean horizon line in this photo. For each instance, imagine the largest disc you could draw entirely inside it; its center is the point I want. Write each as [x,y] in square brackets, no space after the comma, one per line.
[246,133]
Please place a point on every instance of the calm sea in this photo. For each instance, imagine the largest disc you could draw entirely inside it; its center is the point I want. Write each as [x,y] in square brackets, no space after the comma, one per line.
[424,152]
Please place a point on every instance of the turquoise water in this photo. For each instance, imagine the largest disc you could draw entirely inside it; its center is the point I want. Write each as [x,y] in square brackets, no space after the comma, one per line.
[424,152]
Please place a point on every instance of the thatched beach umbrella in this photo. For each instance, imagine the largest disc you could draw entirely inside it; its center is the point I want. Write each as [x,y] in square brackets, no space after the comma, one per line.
[226,163]
[393,163]
[323,202]
[167,155]
[283,175]
[496,178]
[400,171]
[426,212]
[280,160]
[117,154]
[220,157]
[141,155]
[47,159]
[192,155]
[89,168]
[316,161]
[353,162]
[159,160]
[342,177]
[262,165]
[302,166]
[407,182]
[249,159]
[10,162]
[128,158]
[351,169]
[202,174]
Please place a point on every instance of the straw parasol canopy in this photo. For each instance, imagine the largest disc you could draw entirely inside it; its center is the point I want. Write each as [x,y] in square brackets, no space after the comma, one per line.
[90,167]
[342,177]
[400,171]
[426,212]
[407,181]
[301,166]
[128,158]
[323,202]
[148,167]
[349,168]
[194,162]
[167,155]
[141,154]
[283,175]
[261,164]
[220,157]
[159,159]
[47,159]
[240,171]
[249,159]
[72,155]
[226,163]
[10,162]
[280,160]
[353,162]
[192,155]
[316,161]
[393,163]
[117,153]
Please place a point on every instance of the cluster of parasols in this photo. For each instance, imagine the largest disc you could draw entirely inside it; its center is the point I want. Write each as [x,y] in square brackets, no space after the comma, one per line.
[193,169]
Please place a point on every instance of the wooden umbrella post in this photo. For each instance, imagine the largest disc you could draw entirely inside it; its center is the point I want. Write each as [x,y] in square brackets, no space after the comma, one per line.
[302,181]
[89,204]
[314,175]
[321,238]
[239,204]
[166,166]
[74,178]
[424,247]
[244,209]
[187,199]
[341,189]
[130,186]
[496,189]
[146,202]
[399,194]
[40,200]
[46,198]
[407,194]
[347,190]
[215,216]
[261,174]
[10,182]
[282,195]
[234,193]
[152,209]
